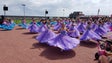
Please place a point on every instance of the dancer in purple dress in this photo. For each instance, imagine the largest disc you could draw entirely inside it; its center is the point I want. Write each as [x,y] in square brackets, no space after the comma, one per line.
[43,26]
[73,31]
[58,25]
[69,23]
[106,26]
[94,25]
[82,27]
[33,27]
[89,34]
[100,30]
[46,35]
[63,41]
[108,23]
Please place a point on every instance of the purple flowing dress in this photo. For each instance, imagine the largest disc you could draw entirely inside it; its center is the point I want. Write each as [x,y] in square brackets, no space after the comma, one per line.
[76,33]
[100,30]
[57,26]
[63,41]
[81,28]
[68,25]
[33,28]
[94,26]
[106,26]
[45,36]
[42,28]
[90,34]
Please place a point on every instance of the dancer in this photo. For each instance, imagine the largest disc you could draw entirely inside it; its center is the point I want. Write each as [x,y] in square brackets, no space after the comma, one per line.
[43,26]
[63,41]
[58,25]
[33,27]
[81,27]
[23,24]
[89,34]
[100,30]
[8,24]
[73,31]
[46,35]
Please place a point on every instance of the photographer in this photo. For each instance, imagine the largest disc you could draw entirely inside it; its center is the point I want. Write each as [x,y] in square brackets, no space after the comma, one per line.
[1,20]
[104,54]
[101,50]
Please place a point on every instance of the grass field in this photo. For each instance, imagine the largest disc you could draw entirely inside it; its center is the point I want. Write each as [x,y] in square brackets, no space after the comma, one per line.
[18,21]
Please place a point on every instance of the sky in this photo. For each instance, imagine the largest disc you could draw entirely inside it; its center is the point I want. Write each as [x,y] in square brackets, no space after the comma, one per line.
[56,7]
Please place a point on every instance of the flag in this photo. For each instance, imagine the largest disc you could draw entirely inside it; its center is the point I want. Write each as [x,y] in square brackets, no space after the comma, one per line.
[23,5]
[46,12]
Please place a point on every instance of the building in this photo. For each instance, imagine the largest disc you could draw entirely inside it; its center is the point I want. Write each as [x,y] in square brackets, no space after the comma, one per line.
[76,14]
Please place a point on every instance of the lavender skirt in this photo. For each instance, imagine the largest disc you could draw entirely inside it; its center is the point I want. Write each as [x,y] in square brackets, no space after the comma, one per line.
[45,36]
[64,42]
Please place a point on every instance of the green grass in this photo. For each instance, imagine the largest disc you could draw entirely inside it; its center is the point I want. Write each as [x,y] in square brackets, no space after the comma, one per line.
[18,21]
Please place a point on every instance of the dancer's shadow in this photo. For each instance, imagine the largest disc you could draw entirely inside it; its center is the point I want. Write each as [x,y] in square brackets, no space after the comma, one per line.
[20,29]
[28,33]
[54,53]
[39,45]
[89,44]
[35,36]
[5,30]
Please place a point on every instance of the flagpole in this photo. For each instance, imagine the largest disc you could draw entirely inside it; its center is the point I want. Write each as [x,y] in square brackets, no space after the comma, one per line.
[63,12]
[98,11]
[24,9]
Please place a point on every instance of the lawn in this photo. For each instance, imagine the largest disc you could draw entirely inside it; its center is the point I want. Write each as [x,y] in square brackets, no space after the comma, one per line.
[18,21]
